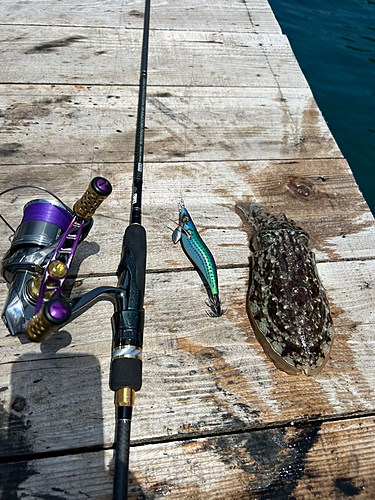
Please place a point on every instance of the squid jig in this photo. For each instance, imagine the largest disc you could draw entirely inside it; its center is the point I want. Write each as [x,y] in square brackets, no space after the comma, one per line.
[200,256]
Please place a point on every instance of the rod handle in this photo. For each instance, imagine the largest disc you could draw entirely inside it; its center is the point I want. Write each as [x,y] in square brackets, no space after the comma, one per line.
[133,259]
[128,323]
[98,190]
[49,318]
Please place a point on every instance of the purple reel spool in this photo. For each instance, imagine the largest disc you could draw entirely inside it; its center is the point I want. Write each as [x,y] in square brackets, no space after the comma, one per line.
[43,223]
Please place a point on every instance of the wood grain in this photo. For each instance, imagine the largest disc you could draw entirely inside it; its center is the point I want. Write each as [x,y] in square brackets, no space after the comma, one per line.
[166,15]
[204,376]
[41,125]
[320,195]
[230,119]
[326,460]
[99,56]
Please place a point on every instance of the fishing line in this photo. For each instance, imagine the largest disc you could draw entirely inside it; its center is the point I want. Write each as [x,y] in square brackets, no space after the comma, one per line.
[52,213]
[183,164]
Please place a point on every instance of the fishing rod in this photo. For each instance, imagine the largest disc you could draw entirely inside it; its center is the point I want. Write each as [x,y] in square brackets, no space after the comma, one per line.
[126,365]
[37,265]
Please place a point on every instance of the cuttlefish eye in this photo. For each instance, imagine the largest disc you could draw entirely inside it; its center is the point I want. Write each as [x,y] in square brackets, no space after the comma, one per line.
[262,240]
[303,238]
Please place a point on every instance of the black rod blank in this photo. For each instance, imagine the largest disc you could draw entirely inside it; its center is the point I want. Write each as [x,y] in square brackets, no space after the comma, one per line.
[140,130]
[120,481]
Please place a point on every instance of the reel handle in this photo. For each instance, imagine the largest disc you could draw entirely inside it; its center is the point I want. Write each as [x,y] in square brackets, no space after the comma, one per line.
[50,317]
[98,190]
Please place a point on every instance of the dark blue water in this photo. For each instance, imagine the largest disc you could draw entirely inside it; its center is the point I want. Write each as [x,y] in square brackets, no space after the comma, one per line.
[334,42]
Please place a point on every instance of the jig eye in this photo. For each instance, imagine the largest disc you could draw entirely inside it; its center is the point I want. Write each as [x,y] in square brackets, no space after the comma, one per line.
[185,219]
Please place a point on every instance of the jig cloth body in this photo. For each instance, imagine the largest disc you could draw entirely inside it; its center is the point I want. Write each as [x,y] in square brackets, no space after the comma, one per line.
[200,256]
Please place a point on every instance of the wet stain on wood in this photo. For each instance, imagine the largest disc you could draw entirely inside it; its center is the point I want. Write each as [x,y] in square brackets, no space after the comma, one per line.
[229,381]
[51,46]
[293,466]
[13,437]
[347,486]
[21,113]
[10,149]
[18,404]
[225,374]
[268,464]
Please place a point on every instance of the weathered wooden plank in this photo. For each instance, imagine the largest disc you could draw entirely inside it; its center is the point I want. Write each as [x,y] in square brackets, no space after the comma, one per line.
[320,195]
[304,462]
[102,56]
[75,124]
[200,375]
[326,460]
[237,123]
[167,15]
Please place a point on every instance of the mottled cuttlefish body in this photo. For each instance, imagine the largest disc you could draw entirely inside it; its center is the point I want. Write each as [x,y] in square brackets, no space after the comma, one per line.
[287,304]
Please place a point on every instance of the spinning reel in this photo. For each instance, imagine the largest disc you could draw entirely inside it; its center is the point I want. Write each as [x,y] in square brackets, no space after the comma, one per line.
[38,262]
[39,258]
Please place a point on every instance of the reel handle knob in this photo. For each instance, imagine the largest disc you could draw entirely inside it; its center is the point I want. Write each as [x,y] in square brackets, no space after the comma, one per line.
[98,190]
[50,317]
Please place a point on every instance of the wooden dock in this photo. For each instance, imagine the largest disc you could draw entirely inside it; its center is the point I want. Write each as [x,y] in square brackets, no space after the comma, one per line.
[230,118]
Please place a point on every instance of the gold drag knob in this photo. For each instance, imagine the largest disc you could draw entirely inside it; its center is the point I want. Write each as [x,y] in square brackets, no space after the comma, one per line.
[94,196]
[34,288]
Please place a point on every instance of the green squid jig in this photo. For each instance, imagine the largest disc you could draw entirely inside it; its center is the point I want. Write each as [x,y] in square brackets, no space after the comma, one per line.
[200,256]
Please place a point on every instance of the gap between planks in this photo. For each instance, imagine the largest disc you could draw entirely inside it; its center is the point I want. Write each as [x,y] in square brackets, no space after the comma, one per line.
[181,161]
[224,433]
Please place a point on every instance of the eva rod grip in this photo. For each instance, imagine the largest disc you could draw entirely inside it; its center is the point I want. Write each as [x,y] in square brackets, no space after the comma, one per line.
[128,324]
[98,190]
[135,242]
[52,315]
